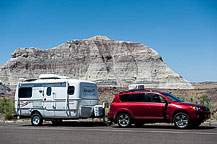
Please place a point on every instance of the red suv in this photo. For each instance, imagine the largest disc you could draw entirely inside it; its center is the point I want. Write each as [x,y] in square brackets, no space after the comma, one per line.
[143,106]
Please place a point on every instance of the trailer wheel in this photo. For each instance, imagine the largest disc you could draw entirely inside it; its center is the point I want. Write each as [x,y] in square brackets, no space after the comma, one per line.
[36,119]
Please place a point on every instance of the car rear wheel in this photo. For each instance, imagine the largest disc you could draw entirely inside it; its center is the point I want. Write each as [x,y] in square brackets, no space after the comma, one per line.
[123,120]
[36,119]
[181,120]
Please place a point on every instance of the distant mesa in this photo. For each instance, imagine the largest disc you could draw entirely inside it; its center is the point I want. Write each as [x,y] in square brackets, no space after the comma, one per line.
[107,62]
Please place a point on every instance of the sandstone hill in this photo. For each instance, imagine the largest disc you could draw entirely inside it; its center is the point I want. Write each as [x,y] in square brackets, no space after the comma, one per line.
[107,62]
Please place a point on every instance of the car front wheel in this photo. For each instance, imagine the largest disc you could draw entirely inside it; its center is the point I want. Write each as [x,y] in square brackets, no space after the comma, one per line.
[123,120]
[181,120]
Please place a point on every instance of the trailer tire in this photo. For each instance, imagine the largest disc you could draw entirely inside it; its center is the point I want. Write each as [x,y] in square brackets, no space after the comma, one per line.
[36,119]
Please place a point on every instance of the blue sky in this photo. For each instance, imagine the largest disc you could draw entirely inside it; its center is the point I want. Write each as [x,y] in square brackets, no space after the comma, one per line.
[183,32]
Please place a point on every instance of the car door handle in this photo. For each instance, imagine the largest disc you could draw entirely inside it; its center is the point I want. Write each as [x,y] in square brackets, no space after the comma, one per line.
[44,99]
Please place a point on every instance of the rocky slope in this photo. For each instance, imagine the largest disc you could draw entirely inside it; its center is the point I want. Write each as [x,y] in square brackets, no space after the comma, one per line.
[4,90]
[107,62]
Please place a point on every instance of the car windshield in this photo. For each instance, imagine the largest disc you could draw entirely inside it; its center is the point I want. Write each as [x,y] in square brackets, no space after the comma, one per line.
[172,97]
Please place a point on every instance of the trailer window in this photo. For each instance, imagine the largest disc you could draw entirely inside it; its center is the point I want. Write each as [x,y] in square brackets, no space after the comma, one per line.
[48,91]
[71,90]
[25,93]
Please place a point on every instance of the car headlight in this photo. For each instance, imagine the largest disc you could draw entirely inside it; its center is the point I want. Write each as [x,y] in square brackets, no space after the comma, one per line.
[195,107]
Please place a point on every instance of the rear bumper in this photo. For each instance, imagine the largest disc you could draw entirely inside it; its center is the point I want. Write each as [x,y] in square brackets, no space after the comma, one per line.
[111,116]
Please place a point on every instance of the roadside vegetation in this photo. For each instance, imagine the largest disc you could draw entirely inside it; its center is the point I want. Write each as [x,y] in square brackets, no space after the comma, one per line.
[201,98]
[204,99]
[7,108]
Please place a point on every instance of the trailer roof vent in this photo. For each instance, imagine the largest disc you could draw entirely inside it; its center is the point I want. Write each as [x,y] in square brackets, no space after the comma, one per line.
[52,76]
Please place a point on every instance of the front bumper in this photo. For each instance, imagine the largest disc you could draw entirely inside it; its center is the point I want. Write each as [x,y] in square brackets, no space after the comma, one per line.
[200,116]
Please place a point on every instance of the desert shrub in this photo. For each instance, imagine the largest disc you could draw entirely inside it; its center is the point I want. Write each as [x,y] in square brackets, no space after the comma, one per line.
[206,100]
[106,107]
[7,108]
[203,99]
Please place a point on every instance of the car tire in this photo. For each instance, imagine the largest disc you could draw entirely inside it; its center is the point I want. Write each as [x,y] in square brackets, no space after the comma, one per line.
[36,119]
[181,120]
[124,120]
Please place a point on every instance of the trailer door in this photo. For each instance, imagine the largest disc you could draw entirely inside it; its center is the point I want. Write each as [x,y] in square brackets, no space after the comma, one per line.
[48,102]
[60,101]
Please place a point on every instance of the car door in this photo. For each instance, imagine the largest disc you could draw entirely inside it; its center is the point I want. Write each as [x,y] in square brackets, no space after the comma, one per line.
[137,105]
[155,106]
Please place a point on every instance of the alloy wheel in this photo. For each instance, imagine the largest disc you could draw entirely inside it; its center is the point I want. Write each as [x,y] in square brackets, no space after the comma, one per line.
[124,120]
[181,120]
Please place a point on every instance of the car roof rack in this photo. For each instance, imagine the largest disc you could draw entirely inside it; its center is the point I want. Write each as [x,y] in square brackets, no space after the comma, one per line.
[135,90]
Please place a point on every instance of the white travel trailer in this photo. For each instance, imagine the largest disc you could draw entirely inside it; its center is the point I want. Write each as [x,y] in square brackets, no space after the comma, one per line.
[54,98]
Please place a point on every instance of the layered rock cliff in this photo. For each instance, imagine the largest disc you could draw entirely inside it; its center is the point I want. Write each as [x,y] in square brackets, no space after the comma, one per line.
[107,62]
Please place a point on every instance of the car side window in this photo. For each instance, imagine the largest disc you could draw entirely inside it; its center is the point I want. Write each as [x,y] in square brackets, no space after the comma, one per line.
[152,97]
[136,97]
[124,97]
